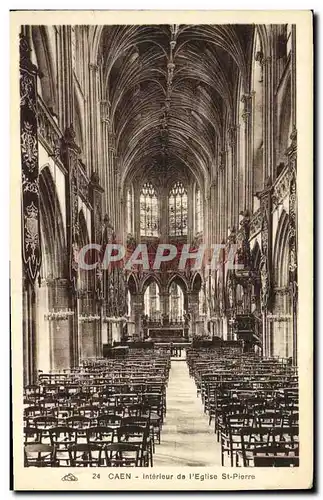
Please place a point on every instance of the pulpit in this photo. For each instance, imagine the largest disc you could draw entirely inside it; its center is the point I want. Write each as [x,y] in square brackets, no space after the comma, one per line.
[244,327]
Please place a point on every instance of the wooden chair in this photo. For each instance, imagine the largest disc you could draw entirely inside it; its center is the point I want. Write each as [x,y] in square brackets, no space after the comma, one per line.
[109,420]
[231,435]
[138,436]
[86,455]
[275,455]
[32,435]
[39,455]
[122,455]
[62,437]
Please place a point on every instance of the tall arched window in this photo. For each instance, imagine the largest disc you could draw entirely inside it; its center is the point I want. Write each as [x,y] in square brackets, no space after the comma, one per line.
[198,211]
[152,302]
[149,225]
[176,303]
[178,210]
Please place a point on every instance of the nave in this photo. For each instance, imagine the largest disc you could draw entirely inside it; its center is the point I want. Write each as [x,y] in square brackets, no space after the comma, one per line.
[187,439]
[217,408]
[144,149]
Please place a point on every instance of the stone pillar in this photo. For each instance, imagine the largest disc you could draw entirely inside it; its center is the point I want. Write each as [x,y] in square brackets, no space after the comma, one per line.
[94,115]
[60,340]
[164,303]
[136,191]
[111,184]
[190,213]
[293,236]
[30,216]
[65,77]
[69,156]
[268,120]
[247,118]
[293,77]
[103,160]
[221,196]
[193,309]
[233,207]
[211,205]
[138,311]
[96,194]
[265,263]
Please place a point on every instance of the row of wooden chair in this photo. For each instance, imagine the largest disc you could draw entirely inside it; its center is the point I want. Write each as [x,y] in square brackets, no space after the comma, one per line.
[85,455]
[90,415]
[254,405]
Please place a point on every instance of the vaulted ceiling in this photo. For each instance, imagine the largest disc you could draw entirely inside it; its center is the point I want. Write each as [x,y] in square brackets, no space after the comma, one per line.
[173,91]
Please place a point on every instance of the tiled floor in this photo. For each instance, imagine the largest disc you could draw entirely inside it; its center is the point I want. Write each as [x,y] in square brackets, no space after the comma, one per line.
[186,438]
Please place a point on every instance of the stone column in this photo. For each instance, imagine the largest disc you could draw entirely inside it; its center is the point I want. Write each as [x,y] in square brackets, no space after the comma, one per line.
[268,120]
[112,176]
[96,194]
[221,195]
[65,77]
[94,115]
[233,178]
[69,156]
[293,77]
[164,303]
[247,118]
[138,311]
[103,160]
[136,191]
[30,216]
[193,309]
[190,213]
[265,263]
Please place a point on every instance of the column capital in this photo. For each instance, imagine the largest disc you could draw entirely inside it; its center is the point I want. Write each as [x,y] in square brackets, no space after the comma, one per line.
[261,59]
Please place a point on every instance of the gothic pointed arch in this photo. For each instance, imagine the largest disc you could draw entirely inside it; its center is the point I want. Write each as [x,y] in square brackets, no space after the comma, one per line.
[45,61]
[197,282]
[281,251]
[147,280]
[133,285]
[180,281]
[281,327]
[54,262]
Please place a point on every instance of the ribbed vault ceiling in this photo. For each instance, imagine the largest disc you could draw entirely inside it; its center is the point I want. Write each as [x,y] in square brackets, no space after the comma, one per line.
[172,91]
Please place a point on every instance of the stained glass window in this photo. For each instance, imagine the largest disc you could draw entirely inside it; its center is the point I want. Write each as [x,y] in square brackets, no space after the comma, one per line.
[149,225]
[178,210]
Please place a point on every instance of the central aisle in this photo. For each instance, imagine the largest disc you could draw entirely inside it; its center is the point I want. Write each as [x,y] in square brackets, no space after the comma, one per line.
[186,437]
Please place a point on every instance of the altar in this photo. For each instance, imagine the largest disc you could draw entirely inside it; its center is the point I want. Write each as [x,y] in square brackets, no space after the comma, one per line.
[168,334]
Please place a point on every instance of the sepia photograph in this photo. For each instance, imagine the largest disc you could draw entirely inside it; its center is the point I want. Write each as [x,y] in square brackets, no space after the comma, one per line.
[157,274]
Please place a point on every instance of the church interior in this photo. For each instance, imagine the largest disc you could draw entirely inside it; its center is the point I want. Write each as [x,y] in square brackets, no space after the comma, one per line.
[178,135]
